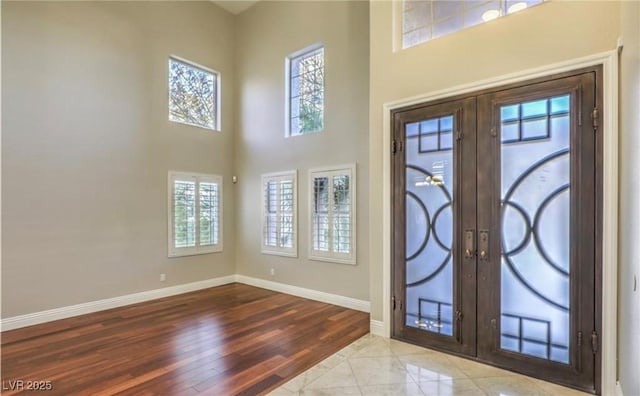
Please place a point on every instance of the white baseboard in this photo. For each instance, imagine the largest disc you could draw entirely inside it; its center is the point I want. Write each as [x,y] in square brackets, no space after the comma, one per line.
[619,389]
[377,328]
[347,302]
[17,322]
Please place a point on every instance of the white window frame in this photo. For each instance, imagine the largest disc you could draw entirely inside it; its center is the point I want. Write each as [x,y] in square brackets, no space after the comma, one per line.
[331,256]
[276,177]
[287,91]
[217,108]
[197,178]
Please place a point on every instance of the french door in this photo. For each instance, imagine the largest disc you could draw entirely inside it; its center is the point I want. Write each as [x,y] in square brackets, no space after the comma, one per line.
[495,220]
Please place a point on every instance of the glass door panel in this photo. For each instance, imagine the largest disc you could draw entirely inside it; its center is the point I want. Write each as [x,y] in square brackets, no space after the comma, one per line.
[433,282]
[535,203]
[429,224]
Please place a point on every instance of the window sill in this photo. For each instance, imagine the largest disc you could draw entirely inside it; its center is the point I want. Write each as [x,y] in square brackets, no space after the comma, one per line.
[334,260]
[288,134]
[279,253]
[174,254]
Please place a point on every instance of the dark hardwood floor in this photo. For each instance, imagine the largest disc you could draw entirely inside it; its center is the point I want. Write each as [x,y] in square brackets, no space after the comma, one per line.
[227,340]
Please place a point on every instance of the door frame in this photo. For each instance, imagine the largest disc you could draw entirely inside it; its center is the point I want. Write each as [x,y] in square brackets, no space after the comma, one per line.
[609,221]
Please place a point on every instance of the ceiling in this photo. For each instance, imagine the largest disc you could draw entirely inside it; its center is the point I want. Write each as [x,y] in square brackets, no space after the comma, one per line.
[235,6]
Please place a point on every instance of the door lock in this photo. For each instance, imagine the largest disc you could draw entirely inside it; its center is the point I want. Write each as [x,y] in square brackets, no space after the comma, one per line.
[483,244]
[469,244]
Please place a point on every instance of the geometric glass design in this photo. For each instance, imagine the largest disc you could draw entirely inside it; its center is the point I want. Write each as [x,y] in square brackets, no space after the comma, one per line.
[532,120]
[429,225]
[424,20]
[535,232]
[435,134]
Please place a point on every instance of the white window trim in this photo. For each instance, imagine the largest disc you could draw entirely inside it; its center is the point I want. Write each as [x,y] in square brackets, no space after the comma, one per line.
[218,125]
[287,89]
[197,249]
[276,250]
[334,257]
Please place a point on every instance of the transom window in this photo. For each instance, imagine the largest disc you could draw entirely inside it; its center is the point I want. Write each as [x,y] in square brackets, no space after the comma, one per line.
[305,93]
[333,197]
[195,214]
[279,216]
[423,20]
[193,94]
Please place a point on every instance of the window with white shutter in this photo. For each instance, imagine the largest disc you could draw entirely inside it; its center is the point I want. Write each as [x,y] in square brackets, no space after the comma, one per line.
[279,214]
[333,213]
[195,214]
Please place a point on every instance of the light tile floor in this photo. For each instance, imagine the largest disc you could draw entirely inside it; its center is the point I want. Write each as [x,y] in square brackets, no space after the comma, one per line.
[375,365]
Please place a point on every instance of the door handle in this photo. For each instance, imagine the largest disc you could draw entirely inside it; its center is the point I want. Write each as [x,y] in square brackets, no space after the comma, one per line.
[469,244]
[483,244]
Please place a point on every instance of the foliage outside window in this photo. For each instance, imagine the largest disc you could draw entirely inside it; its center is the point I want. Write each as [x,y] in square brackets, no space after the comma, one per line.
[195,214]
[306,91]
[333,226]
[279,220]
[193,95]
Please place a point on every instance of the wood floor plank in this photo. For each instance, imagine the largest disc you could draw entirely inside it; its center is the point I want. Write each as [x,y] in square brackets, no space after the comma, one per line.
[228,340]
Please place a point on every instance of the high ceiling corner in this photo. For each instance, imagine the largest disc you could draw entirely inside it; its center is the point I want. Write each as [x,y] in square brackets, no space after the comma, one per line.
[235,6]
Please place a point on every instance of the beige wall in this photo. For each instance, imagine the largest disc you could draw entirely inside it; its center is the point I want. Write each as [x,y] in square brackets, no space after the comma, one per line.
[629,308]
[86,147]
[267,33]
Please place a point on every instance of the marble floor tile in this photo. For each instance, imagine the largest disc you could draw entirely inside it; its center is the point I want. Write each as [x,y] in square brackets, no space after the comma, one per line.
[478,370]
[355,347]
[392,390]
[338,391]
[400,348]
[452,387]
[281,391]
[376,348]
[379,371]
[339,376]
[430,367]
[509,386]
[306,378]
[557,390]
[373,366]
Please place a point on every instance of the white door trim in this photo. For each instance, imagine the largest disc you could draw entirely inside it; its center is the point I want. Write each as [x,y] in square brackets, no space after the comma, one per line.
[609,62]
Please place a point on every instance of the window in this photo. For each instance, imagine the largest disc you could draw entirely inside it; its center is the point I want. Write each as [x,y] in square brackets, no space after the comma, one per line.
[423,20]
[333,214]
[279,216]
[193,94]
[195,214]
[305,91]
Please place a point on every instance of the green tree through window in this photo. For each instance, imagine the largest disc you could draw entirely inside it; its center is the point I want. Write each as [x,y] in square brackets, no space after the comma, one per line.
[306,95]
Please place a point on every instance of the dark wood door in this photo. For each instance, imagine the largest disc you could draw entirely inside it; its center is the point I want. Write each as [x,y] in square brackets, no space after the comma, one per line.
[434,200]
[496,227]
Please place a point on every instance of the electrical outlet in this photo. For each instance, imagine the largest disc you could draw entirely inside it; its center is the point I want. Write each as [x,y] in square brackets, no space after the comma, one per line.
[163,277]
[273,272]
